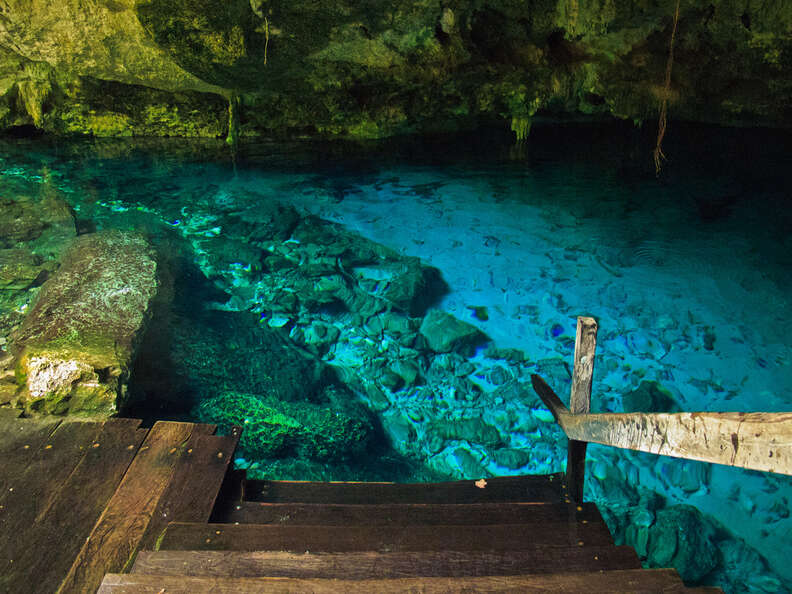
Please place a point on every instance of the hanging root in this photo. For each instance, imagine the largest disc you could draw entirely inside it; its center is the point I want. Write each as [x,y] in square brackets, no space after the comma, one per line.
[662,122]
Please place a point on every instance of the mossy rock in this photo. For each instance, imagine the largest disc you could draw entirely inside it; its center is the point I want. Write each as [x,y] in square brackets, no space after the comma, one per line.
[277,429]
[73,351]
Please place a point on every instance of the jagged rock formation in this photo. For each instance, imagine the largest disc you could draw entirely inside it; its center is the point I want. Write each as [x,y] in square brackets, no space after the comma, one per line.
[173,67]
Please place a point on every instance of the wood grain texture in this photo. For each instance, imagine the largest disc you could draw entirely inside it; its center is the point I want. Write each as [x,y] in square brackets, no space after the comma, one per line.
[515,489]
[196,480]
[266,537]
[20,440]
[116,535]
[367,564]
[580,402]
[73,509]
[641,581]
[396,514]
[29,496]
[759,441]
[583,368]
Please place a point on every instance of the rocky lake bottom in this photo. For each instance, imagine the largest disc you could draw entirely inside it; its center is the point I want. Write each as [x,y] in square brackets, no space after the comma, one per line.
[376,312]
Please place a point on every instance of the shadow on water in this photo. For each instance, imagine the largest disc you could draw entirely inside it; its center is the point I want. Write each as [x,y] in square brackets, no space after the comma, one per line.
[194,353]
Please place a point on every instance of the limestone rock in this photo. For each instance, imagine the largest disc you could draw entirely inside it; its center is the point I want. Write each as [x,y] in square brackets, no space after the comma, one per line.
[681,538]
[445,333]
[44,226]
[650,396]
[73,350]
[103,39]
[469,466]
[19,269]
[474,430]
[511,458]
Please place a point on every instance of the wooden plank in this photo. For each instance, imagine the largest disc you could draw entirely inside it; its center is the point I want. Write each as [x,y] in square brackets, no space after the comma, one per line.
[583,369]
[759,441]
[401,514]
[117,532]
[367,564]
[20,439]
[192,491]
[336,539]
[29,496]
[637,581]
[580,402]
[515,489]
[73,510]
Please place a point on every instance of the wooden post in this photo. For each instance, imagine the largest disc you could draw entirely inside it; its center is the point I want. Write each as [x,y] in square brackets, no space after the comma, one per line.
[580,401]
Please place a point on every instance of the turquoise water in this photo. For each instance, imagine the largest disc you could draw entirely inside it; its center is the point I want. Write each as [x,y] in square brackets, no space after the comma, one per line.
[300,275]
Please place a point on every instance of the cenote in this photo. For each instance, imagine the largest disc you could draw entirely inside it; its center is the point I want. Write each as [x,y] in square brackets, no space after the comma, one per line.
[360,231]
[374,311]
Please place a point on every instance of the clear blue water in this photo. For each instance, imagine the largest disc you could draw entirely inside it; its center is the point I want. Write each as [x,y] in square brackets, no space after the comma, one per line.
[688,275]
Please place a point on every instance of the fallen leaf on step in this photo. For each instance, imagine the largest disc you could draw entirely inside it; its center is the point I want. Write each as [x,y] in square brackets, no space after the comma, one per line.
[481,483]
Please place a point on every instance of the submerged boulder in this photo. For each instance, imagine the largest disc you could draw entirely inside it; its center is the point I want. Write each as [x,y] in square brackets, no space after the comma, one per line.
[44,226]
[278,429]
[650,396]
[681,538]
[19,269]
[72,352]
[445,333]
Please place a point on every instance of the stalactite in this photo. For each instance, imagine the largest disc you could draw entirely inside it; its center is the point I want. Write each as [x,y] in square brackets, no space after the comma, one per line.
[662,123]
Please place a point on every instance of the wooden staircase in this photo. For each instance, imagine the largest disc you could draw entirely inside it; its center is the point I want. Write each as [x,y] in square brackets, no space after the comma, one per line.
[517,534]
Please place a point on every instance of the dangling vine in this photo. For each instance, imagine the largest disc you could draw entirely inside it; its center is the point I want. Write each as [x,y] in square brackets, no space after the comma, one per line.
[659,157]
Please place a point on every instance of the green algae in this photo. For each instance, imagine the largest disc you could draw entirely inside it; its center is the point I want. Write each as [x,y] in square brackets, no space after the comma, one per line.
[279,429]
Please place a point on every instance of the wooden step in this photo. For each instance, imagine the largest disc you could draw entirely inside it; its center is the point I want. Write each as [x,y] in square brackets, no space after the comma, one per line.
[367,564]
[401,514]
[148,494]
[497,537]
[248,512]
[20,440]
[56,503]
[631,580]
[548,488]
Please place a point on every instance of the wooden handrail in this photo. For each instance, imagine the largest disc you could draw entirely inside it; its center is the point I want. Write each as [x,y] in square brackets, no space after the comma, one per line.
[758,441]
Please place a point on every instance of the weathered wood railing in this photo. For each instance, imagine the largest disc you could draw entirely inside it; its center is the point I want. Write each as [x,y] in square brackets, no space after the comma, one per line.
[759,441]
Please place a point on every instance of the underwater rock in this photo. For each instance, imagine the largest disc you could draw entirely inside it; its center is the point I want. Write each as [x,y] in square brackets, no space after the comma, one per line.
[407,370]
[688,475]
[555,372]
[682,539]
[474,430]
[445,333]
[73,350]
[276,429]
[498,375]
[19,269]
[414,287]
[511,458]
[269,220]
[469,466]
[45,226]
[650,397]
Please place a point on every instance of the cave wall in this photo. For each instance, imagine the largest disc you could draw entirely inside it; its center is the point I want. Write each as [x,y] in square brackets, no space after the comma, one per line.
[376,69]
